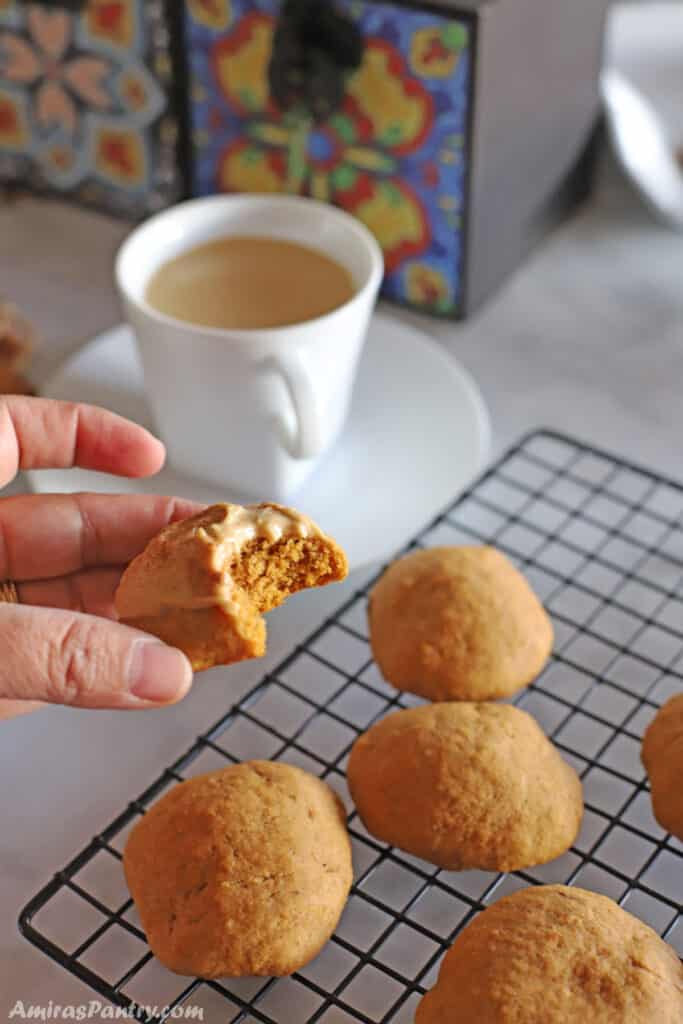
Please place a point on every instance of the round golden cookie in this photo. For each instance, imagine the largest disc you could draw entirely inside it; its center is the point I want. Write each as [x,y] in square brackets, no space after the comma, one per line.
[556,955]
[458,623]
[662,754]
[466,786]
[241,871]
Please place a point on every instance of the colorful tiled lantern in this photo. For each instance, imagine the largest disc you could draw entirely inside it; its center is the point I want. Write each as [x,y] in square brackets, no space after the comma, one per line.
[84,102]
[463,132]
[394,153]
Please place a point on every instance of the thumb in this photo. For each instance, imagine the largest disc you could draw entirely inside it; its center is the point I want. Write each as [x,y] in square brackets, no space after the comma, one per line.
[66,658]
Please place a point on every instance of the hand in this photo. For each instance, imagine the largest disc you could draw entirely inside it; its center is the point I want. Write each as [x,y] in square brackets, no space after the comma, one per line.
[66,553]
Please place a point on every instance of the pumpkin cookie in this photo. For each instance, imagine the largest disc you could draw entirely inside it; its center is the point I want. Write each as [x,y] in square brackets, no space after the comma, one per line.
[458,623]
[554,955]
[466,786]
[203,584]
[662,755]
[241,871]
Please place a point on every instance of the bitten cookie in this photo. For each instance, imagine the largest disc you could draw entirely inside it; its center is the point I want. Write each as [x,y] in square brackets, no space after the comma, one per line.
[466,786]
[203,584]
[458,623]
[242,871]
[662,755]
[554,955]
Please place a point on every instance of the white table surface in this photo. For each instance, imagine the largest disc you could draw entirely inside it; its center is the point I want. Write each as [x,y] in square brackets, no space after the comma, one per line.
[587,337]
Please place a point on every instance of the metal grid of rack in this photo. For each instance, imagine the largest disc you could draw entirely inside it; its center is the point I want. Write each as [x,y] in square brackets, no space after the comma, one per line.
[601,542]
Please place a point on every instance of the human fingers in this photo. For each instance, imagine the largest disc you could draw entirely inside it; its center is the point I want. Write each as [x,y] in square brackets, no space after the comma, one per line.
[90,591]
[47,535]
[38,433]
[69,658]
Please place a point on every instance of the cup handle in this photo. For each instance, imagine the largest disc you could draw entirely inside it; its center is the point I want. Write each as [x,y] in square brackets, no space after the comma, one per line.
[307,439]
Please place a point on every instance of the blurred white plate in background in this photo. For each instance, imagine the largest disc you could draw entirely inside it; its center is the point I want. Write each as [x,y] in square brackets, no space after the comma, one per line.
[417,434]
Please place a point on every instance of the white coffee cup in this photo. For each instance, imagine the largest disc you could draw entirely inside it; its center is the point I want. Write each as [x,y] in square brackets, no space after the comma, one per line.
[250,410]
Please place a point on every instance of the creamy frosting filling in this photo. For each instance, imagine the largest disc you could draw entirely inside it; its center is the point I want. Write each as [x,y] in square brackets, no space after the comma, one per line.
[227,537]
[243,524]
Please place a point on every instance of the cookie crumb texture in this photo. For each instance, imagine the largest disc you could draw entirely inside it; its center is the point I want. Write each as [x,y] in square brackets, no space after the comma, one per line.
[458,623]
[466,786]
[556,955]
[662,755]
[243,871]
[204,584]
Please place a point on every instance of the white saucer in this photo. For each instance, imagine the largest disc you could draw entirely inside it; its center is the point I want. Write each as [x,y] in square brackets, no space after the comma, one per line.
[417,434]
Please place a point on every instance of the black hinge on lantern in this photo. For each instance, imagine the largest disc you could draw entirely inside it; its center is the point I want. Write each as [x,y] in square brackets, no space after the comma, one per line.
[315,47]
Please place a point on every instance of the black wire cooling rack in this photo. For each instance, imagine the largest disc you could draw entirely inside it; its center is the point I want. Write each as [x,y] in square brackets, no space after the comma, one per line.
[601,541]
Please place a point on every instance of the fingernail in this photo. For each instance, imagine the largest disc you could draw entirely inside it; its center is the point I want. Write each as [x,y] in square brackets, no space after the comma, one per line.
[158,673]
